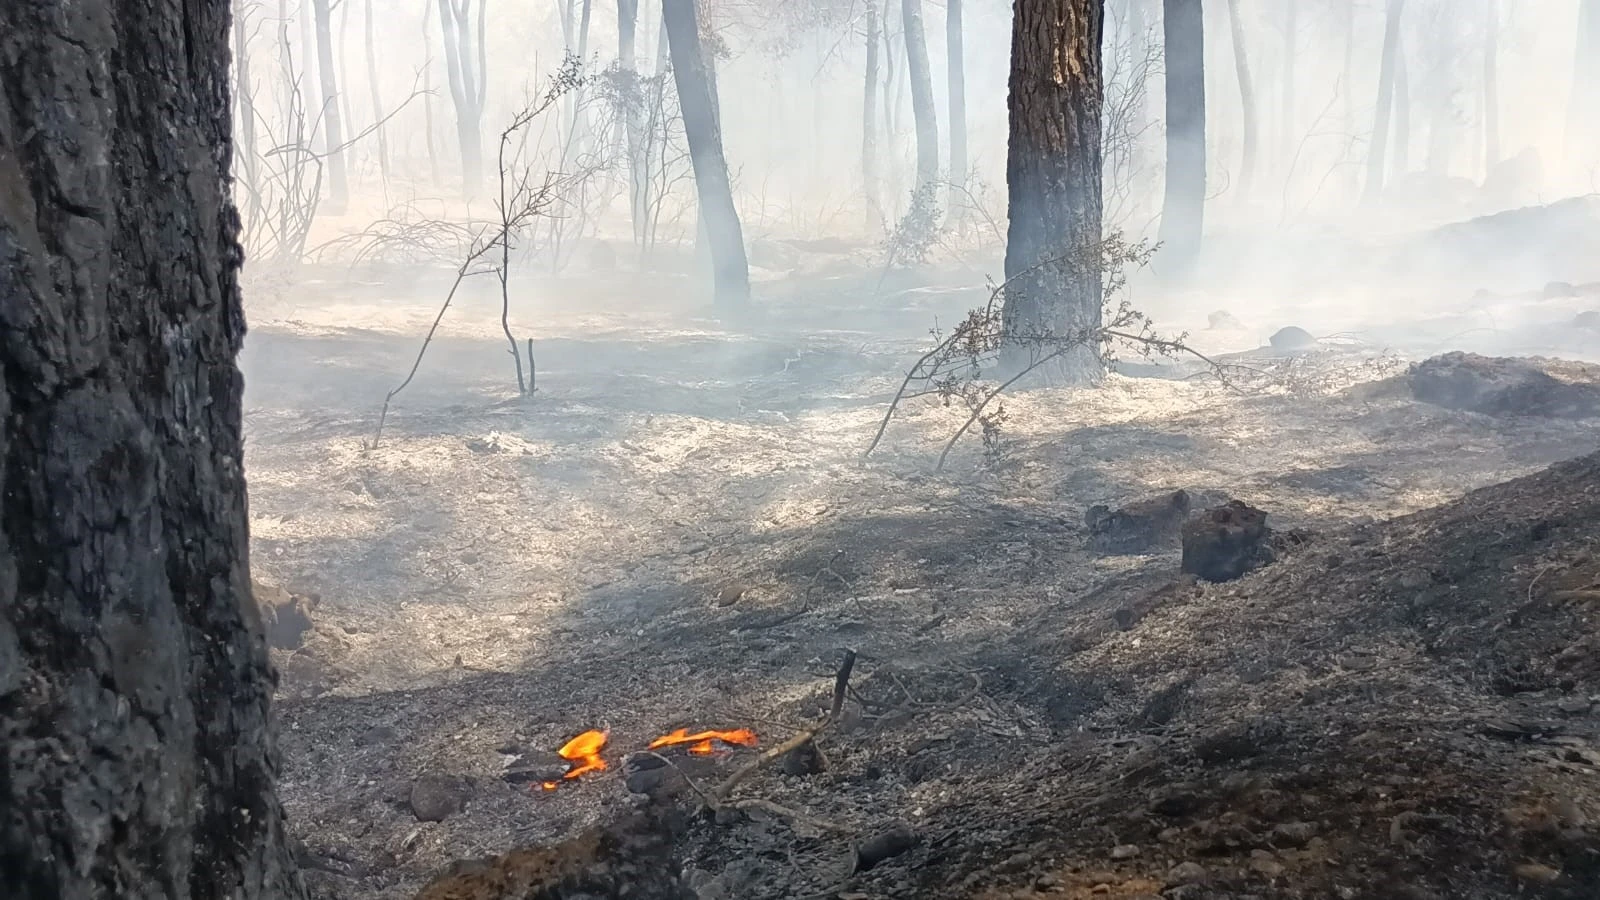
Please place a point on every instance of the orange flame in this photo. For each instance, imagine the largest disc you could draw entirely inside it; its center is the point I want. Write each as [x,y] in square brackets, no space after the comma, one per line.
[701,743]
[584,751]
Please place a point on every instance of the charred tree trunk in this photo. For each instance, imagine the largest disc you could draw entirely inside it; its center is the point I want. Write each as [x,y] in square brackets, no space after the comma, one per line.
[1491,84]
[329,112]
[702,128]
[134,682]
[1377,152]
[869,120]
[455,22]
[955,53]
[1247,101]
[922,110]
[377,97]
[1183,210]
[1053,179]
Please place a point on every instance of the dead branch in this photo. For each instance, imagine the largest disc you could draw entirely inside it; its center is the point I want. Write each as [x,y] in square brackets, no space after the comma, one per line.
[841,682]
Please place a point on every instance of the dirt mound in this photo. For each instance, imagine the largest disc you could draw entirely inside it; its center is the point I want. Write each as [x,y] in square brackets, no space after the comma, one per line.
[1500,387]
[1399,710]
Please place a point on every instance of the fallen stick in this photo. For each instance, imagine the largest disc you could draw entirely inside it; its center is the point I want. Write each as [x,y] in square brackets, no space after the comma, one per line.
[841,683]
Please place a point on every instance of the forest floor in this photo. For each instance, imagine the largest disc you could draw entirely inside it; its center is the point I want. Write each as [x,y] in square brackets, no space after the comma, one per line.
[679,530]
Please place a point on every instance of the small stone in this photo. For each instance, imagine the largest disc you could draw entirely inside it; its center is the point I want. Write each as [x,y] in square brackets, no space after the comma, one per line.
[436,798]
[1537,873]
[1575,706]
[1047,880]
[1101,888]
[1124,851]
[1188,873]
[1294,834]
[1170,835]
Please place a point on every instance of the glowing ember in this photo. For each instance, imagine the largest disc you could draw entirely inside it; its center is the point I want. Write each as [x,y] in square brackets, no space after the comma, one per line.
[701,743]
[584,752]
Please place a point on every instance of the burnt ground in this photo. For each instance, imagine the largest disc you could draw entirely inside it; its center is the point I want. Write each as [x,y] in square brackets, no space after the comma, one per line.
[1405,706]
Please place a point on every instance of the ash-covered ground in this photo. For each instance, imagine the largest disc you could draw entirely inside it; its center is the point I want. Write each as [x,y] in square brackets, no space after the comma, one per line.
[678,529]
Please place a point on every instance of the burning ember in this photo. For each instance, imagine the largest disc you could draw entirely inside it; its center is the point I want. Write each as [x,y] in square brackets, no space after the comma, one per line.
[584,752]
[702,743]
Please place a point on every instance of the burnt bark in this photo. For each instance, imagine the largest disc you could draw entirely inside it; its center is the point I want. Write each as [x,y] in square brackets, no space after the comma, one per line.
[1053,165]
[702,128]
[1378,152]
[330,112]
[134,683]
[921,78]
[1183,210]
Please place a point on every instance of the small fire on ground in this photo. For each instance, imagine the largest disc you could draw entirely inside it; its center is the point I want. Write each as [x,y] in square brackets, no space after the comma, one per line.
[583,751]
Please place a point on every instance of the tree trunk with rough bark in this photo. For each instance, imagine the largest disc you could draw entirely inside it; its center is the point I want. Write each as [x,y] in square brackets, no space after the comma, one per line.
[697,104]
[1183,210]
[1053,179]
[329,111]
[1247,101]
[955,53]
[1377,153]
[135,688]
[921,78]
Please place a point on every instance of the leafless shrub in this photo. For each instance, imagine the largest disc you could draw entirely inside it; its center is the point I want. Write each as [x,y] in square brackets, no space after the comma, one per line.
[522,200]
[961,367]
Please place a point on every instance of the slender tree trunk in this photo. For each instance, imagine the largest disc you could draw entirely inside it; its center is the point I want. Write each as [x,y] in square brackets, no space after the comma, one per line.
[332,125]
[1183,211]
[921,78]
[135,689]
[427,91]
[1582,118]
[956,54]
[377,98]
[1053,178]
[1247,101]
[1286,114]
[1491,84]
[249,152]
[1377,152]
[1348,87]
[343,59]
[632,119]
[869,121]
[891,94]
[458,63]
[702,128]
[1402,110]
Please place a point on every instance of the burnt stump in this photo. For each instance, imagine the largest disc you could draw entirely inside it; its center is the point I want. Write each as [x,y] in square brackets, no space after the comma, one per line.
[1226,542]
[1140,527]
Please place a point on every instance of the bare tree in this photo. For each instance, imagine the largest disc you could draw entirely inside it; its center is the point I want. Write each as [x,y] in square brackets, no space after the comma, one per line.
[1376,154]
[1053,178]
[697,103]
[329,114]
[135,689]
[1247,100]
[468,77]
[921,92]
[1183,211]
[955,54]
